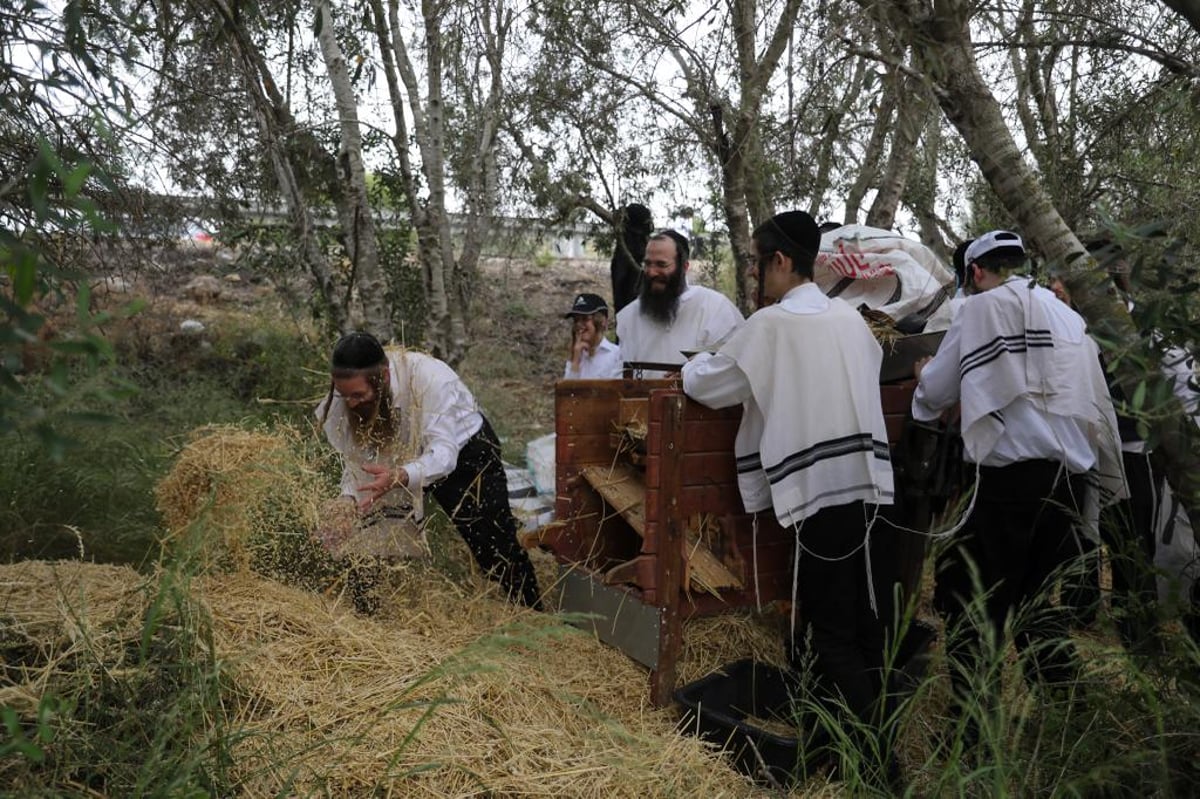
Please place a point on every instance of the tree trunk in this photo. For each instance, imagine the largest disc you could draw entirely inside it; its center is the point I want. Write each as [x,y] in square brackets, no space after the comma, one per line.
[914,106]
[354,208]
[833,133]
[868,170]
[733,204]
[943,39]
[271,115]
[428,213]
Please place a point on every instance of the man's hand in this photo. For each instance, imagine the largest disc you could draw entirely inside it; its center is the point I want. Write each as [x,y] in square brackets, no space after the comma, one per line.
[919,366]
[385,480]
[579,346]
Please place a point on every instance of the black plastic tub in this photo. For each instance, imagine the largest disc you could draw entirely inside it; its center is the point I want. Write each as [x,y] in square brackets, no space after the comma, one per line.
[728,708]
[750,709]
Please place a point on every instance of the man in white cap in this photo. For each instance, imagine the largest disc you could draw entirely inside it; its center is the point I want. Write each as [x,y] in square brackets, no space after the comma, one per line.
[592,356]
[671,317]
[1036,418]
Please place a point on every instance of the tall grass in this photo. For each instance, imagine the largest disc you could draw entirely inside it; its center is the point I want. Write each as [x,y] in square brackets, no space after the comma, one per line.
[1126,727]
[96,499]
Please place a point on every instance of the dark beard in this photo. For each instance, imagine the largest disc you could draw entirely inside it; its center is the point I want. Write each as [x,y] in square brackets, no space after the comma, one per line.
[662,306]
[373,425]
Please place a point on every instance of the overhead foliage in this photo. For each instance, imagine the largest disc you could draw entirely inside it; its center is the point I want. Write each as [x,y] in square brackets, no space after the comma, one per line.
[61,105]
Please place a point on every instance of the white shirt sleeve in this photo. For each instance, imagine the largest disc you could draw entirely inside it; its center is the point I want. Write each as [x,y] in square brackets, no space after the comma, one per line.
[938,387]
[715,380]
[445,407]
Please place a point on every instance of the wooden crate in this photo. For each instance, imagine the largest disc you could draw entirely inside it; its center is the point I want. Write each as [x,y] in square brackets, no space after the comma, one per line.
[659,517]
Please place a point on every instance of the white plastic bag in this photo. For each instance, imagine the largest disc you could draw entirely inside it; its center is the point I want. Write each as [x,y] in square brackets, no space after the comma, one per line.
[539,459]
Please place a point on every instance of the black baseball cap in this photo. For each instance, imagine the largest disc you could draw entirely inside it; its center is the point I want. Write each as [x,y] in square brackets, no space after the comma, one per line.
[586,305]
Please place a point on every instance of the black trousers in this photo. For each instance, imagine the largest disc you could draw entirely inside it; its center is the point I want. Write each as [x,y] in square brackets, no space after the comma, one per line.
[846,635]
[475,497]
[1019,535]
[1127,528]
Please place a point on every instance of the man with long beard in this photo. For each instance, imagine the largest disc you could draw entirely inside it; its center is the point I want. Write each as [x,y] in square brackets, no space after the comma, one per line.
[404,420]
[669,316]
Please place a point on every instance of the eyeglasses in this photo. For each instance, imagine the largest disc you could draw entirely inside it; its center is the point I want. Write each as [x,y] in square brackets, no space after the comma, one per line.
[355,398]
[661,265]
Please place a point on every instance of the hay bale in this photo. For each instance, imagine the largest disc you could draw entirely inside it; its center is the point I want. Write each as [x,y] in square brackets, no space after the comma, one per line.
[246,499]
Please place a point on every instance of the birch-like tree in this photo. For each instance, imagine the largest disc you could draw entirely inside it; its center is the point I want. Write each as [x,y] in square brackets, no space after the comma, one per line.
[700,79]
[353,205]
[445,77]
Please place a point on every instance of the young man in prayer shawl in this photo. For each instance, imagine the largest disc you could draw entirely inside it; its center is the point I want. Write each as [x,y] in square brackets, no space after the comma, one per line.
[812,447]
[405,420]
[1036,419]
[669,316]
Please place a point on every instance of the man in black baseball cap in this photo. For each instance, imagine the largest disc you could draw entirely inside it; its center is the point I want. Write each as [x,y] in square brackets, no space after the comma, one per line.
[592,356]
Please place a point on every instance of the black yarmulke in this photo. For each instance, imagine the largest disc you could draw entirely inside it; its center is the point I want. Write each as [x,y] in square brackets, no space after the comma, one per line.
[800,229]
[358,350]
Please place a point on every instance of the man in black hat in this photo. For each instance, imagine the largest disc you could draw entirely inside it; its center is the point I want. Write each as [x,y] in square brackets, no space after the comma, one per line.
[671,316]
[592,356]
[404,419]
[812,448]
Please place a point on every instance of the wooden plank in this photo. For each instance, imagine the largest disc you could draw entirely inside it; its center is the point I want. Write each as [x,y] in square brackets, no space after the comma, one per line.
[633,410]
[622,488]
[705,570]
[897,397]
[669,574]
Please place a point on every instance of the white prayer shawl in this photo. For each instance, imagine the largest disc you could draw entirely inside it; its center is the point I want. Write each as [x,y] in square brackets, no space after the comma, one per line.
[1020,341]
[882,270]
[814,435]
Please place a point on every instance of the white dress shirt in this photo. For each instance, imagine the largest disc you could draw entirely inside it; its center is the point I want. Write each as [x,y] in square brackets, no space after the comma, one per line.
[435,414]
[603,365]
[704,319]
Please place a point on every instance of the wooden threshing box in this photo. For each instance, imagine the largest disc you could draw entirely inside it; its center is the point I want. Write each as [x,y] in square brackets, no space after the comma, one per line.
[651,529]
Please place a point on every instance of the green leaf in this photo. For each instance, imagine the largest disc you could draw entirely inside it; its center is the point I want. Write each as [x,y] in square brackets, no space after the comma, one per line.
[73,181]
[1139,396]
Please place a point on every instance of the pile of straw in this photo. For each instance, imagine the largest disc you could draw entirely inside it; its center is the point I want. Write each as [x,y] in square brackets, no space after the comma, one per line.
[446,693]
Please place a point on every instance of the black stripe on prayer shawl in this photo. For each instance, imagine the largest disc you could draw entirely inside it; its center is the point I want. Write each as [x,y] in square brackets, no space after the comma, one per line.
[749,463]
[834,448]
[837,492]
[1002,345]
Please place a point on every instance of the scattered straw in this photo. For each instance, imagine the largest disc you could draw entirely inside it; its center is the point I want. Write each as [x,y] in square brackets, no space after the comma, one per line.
[447,693]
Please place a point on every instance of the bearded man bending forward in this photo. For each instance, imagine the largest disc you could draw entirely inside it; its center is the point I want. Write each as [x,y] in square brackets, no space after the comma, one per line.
[405,419]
